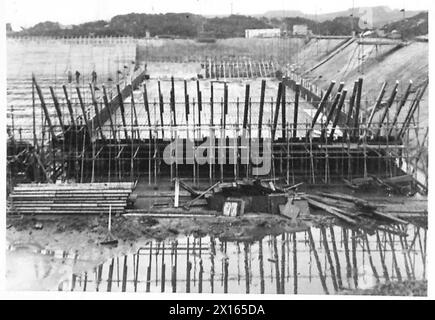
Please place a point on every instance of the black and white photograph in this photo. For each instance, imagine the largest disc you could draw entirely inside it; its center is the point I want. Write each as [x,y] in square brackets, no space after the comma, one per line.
[217,148]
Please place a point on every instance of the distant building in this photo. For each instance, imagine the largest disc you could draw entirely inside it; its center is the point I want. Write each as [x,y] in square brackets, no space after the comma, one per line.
[300,30]
[9,28]
[262,33]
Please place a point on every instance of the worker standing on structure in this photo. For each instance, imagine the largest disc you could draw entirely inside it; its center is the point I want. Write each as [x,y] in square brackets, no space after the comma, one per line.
[77,77]
[94,77]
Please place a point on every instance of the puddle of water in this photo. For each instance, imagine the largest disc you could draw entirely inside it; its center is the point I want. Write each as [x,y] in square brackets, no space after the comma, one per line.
[319,261]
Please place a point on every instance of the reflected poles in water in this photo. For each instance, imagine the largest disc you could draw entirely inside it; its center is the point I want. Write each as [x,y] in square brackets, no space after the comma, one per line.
[201,272]
[316,257]
[354,260]
[163,277]
[328,256]
[372,265]
[337,260]
[246,250]
[295,265]
[149,268]
[136,273]
[393,252]
[212,267]
[110,275]
[283,264]
[347,255]
[405,253]
[225,261]
[174,266]
[381,255]
[422,251]
[99,275]
[124,275]
[261,265]
[85,282]
[276,261]
[188,268]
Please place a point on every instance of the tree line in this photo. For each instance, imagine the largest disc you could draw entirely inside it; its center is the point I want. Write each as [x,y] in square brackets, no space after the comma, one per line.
[187,25]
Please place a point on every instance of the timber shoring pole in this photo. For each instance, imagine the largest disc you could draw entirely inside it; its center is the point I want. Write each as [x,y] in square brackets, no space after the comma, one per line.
[357,108]
[173,101]
[337,114]
[161,108]
[296,110]
[121,106]
[387,108]
[283,113]
[97,113]
[260,114]
[136,122]
[68,103]
[246,108]
[377,104]
[413,108]
[58,111]
[146,105]
[82,107]
[186,103]
[275,120]
[401,105]
[44,108]
[322,105]
[225,105]
[106,104]
[211,104]
[349,112]
[330,114]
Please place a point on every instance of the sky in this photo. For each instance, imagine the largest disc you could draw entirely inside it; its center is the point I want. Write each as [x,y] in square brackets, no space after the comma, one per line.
[27,13]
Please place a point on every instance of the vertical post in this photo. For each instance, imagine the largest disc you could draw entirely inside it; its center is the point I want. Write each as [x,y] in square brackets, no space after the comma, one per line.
[245,112]
[225,106]
[199,96]
[161,108]
[284,112]
[211,105]
[173,101]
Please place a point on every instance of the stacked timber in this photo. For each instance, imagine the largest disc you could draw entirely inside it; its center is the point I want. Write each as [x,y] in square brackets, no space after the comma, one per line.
[80,198]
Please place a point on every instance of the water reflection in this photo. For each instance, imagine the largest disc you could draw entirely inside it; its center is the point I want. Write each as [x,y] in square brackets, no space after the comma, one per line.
[318,261]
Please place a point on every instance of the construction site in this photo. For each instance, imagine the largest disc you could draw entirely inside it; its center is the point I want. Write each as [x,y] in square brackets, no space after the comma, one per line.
[286,166]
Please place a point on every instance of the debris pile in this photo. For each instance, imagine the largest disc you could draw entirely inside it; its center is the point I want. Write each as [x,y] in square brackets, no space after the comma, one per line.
[349,209]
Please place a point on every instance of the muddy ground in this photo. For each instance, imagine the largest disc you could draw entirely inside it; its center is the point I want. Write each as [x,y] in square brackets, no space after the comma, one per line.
[83,234]
[410,288]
